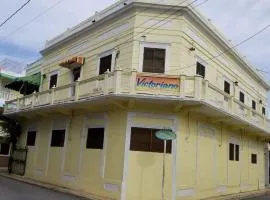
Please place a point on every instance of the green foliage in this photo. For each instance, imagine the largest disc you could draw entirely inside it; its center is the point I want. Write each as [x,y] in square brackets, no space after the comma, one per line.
[12,128]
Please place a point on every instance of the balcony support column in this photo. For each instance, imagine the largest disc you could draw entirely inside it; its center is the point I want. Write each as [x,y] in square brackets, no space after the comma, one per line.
[231,104]
[133,81]
[198,87]
[52,95]
[206,87]
[106,82]
[117,80]
[182,86]
[77,90]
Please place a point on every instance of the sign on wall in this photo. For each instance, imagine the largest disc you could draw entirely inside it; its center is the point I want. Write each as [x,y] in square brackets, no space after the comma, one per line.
[157,83]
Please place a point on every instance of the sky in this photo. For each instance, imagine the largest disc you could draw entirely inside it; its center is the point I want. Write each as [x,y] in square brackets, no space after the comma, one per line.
[22,41]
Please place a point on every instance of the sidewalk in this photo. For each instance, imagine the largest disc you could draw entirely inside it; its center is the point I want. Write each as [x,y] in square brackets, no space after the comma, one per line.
[54,187]
[238,196]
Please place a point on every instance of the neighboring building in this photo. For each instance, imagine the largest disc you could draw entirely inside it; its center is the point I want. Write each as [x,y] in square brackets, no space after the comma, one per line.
[111,82]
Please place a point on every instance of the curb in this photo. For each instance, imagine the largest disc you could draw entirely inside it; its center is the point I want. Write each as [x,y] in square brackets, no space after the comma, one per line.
[241,196]
[56,188]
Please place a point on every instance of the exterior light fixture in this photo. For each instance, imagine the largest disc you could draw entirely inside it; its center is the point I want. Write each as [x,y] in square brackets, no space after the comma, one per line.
[94,21]
[192,49]
[236,83]
[261,101]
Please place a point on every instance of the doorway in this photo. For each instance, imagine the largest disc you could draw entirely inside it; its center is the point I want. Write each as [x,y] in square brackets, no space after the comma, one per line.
[145,161]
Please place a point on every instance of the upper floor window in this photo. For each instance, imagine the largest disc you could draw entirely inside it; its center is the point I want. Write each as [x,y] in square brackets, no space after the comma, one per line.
[242,97]
[200,70]
[234,152]
[254,105]
[31,138]
[105,64]
[263,111]
[53,81]
[76,73]
[154,60]
[227,87]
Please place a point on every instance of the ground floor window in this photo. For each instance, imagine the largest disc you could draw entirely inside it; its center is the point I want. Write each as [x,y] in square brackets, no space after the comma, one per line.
[31,138]
[144,139]
[254,158]
[95,138]
[234,152]
[4,149]
[58,138]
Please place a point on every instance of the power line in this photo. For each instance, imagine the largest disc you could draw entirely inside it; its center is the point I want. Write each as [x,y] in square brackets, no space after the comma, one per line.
[13,14]
[33,19]
[233,47]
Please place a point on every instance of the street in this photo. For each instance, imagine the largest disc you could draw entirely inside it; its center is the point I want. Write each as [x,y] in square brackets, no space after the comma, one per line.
[260,198]
[14,190]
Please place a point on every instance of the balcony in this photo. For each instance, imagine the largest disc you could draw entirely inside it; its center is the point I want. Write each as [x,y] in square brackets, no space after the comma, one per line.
[183,89]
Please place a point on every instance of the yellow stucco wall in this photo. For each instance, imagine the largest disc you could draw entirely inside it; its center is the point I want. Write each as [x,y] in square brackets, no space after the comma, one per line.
[202,166]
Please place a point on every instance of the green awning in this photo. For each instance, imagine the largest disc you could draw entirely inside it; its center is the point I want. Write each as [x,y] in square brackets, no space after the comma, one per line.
[25,85]
[7,76]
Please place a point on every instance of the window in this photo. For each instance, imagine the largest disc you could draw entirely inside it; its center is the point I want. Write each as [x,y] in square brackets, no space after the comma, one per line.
[227,87]
[263,111]
[144,139]
[154,60]
[53,81]
[200,70]
[105,64]
[234,150]
[242,97]
[253,105]
[95,138]
[4,149]
[31,138]
[58,138]
[76,73]
[254,158]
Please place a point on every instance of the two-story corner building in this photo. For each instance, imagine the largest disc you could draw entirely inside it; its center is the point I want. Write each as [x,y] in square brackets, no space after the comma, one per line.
[139,66]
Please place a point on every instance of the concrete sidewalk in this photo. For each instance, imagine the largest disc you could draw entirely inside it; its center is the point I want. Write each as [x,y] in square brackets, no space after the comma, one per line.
[238,196]
[54,187]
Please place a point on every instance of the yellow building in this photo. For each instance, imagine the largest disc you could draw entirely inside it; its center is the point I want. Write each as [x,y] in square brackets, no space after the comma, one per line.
[139,66]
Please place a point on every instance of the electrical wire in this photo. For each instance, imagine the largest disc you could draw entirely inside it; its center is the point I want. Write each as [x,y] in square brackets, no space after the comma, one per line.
[13,14]
[32,20]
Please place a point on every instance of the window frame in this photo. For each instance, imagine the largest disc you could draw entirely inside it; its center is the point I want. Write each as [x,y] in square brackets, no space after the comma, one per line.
[244,96]
[155,45]
[5,155]
[236,150]
[254,160]
[64,142]
[112,52]
[197,71]
[87,134]
[52,74]
[263,111]
[229,84]
[254,105]
[35,142]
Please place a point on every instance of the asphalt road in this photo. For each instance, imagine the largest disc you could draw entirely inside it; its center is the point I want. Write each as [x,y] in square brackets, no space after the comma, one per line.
[260,198]
[14,190]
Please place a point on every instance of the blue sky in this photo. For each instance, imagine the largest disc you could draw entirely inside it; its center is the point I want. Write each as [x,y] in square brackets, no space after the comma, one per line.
[237,19]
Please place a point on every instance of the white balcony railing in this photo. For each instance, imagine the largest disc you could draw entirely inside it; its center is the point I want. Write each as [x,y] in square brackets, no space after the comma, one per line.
[127,83]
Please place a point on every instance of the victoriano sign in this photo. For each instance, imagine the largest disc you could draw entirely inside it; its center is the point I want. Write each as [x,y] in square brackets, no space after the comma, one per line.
[157,83]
